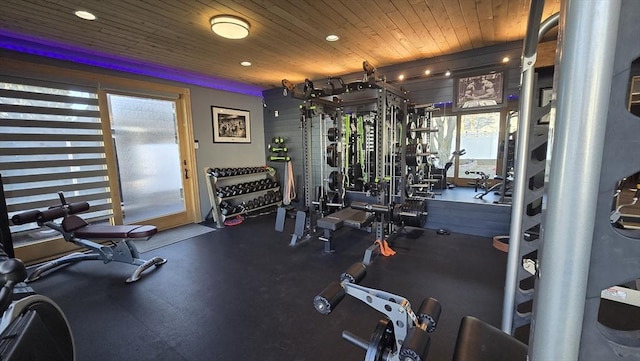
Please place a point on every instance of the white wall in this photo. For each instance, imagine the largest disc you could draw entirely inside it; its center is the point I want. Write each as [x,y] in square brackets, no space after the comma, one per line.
[224,155]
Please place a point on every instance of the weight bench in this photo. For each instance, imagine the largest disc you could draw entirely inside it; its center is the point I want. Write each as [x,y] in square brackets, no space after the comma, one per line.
[76,230]
[347,217]
[478,341]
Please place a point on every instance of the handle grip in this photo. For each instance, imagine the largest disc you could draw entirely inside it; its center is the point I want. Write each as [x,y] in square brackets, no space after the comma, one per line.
[49,214]
[26,217]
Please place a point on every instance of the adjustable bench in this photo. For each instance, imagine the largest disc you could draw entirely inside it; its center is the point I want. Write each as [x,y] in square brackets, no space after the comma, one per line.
[347,217]
[76,230]
[479,341]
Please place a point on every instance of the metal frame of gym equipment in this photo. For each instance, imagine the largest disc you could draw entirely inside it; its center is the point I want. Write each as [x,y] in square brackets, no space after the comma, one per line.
[419,182]
[306,219]
[390,108]
[391,129]
[526,205]
[508,160]
[580,253]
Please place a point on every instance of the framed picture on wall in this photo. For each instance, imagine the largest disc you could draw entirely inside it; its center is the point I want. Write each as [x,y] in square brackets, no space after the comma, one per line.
[230,125]
[479,91]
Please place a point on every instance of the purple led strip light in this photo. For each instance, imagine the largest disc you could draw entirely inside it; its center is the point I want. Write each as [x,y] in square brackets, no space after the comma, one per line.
[45,48]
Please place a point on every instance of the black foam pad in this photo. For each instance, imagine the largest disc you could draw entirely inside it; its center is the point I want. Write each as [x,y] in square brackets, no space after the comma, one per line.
[479,341]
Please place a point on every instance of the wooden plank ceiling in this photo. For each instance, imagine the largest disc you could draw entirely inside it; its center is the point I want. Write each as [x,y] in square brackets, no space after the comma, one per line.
[287,37]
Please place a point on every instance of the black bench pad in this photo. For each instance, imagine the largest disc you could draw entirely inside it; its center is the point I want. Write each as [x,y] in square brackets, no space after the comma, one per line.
[479,341]
[119,232]
[349,217]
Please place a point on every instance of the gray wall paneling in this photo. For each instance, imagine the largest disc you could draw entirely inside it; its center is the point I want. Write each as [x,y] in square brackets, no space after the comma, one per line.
[421,90]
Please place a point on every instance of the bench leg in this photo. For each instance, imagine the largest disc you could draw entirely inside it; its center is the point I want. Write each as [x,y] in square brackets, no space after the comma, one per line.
[123,251]
[327,239]
[370,253]
[62,261]
[145,265]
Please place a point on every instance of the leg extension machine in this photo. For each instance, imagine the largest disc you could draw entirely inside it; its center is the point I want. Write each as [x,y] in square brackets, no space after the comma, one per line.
[402,335]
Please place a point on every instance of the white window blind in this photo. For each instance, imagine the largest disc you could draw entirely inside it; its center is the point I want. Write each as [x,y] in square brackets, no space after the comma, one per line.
[51,140]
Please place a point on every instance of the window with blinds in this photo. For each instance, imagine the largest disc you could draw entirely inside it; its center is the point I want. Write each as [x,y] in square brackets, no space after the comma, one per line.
[51,141]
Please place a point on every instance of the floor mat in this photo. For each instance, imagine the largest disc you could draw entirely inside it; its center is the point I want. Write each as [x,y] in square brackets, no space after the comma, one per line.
[171,236]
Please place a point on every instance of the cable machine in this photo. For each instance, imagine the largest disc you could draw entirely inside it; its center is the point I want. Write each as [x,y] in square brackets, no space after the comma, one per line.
[364,149]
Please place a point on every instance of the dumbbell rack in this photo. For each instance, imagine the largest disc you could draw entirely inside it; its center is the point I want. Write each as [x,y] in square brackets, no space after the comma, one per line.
[237,191]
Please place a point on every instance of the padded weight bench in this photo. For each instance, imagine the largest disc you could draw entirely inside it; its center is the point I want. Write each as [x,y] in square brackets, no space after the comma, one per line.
[347,217]
[479,341]
[76,230]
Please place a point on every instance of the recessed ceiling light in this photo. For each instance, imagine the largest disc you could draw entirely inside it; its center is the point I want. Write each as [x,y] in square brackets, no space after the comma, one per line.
[505,59]
[85,15]
[332,37]
[245,63]
[230,27]
[401,77]
[427,72]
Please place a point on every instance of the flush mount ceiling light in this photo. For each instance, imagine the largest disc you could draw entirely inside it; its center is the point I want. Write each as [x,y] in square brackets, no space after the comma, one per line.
[332,37]
[85,15]
[245,63]
[230,27]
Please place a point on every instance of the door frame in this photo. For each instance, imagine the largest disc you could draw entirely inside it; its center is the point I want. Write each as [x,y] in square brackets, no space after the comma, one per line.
[187,157]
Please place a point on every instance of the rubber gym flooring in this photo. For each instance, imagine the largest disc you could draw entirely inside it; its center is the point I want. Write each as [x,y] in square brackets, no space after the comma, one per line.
[242,293]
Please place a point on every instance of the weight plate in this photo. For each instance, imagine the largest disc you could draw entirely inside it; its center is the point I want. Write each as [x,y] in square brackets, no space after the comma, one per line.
[408,189]
[411,133]
[413,154]
[382,339]
[332,155]
[411,213]
[334,180]
[332,134]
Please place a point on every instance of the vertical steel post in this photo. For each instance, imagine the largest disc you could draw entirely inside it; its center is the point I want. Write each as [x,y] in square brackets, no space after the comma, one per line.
[588,33]
[520,164]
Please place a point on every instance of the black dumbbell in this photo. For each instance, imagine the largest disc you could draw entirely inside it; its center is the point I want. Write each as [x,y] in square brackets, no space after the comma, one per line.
[225,208]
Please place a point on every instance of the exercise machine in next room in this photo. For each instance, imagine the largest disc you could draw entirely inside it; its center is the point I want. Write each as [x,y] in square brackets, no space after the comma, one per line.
[76,230]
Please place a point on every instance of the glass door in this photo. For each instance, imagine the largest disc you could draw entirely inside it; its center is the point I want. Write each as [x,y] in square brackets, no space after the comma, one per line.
[150,170]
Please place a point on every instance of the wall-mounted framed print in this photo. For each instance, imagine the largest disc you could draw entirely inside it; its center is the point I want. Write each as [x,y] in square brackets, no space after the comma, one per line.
[479,91]
[230,125]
